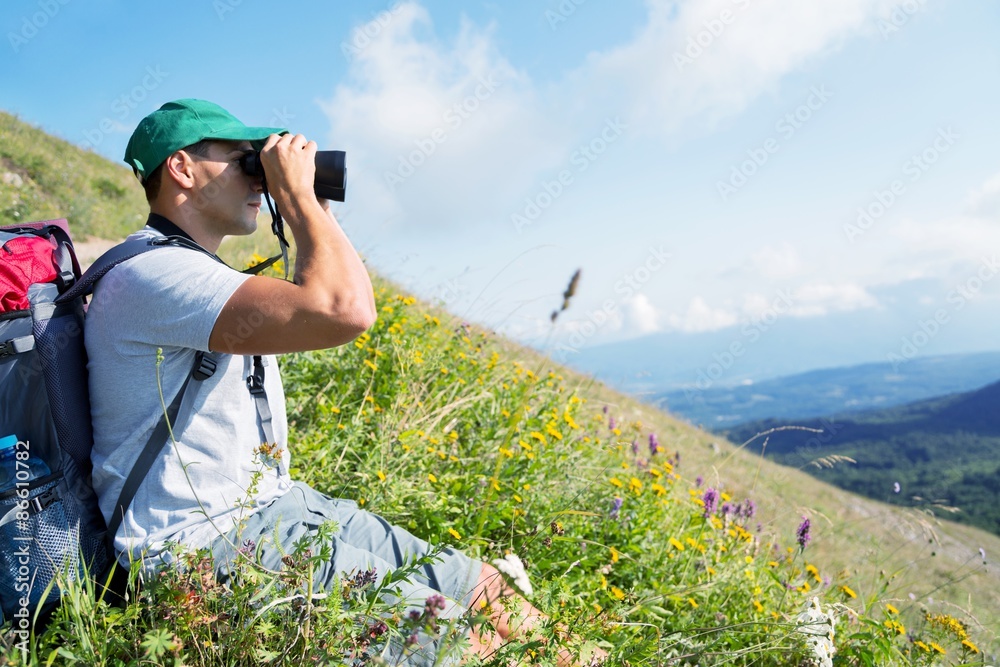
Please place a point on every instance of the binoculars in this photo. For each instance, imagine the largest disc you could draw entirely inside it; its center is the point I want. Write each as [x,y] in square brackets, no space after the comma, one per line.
[331,172]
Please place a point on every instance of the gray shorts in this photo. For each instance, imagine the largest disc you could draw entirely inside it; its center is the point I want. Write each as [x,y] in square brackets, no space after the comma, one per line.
[362,541]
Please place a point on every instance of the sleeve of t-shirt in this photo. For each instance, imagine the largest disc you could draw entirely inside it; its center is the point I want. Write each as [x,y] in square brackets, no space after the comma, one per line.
[170,296]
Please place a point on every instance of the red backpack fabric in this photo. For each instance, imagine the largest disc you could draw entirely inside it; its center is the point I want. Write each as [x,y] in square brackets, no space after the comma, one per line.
[27,260]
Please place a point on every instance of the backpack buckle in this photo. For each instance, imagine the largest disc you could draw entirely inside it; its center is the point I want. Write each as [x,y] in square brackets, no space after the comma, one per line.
[43,500]
[206,368]
[7,349]
[255,384]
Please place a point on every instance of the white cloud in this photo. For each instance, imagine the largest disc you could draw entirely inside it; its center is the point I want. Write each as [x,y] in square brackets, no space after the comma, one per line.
[985,200]
[701,317]
[818,299]
[689,62]
[777,262]
[440,132]
[640,315]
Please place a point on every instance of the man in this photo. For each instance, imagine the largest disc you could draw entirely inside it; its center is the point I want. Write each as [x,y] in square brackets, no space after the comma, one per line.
[182,301]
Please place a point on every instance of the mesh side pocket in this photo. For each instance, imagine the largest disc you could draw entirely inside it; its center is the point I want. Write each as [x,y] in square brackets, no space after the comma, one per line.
[37,548]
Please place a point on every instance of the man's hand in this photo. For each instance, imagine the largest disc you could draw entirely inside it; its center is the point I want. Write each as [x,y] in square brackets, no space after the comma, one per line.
[289,162]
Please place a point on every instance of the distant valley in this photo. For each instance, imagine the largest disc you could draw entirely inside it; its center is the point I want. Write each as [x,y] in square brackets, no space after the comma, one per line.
[941,454]
[832,391]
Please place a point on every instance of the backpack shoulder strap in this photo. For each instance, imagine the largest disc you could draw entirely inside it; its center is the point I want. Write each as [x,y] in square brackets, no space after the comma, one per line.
[118,254]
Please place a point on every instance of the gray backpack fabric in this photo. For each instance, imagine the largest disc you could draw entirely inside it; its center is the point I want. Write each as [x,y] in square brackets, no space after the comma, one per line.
[51,529]
[50,526]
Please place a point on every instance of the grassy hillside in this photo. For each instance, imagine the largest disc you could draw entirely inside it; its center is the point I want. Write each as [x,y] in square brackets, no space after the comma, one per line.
[943,453]
[43,177]
[640,533]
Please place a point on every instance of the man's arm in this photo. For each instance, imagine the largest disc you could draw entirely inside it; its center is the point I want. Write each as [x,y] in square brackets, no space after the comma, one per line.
[330,301]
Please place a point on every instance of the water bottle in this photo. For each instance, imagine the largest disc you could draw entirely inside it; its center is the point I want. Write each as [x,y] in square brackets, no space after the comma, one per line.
[11,473]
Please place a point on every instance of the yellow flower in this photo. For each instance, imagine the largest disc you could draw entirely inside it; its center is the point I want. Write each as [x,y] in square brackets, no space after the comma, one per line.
[614,555]
[922,646]
[616,482]
[454,533]
[693,603]
[970,646]
[848,592]
[892,610]
[381,476]
[431,478]
[618,593]
[635,485]
[676,544]
[660,491]
[757,605]
[937,647]
[539,437]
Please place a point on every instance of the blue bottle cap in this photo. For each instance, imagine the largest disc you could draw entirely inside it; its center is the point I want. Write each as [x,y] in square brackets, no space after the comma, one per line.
[7,442]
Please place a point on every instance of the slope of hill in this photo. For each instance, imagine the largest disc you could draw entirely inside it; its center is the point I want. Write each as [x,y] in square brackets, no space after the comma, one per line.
[44,177]
[832,390]
[943,452]
[627,518]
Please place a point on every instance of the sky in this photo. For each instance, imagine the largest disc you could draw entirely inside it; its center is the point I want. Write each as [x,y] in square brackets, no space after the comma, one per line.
[704,164]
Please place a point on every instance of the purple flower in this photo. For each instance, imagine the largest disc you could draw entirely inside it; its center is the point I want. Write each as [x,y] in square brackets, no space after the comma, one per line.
[434,603]
[895,487]
[748,509]
[616,506]
[248,548]
[698,480]
[711,500]
[654,444]
[635,447]
[802,535]
[728,508]
[605,409]
[612,424]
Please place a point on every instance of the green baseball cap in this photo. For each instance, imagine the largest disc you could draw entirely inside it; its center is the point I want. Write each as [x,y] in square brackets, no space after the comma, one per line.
[181,123]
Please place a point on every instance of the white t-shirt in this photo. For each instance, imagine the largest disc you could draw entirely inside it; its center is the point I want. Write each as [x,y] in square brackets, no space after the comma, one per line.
[198,488]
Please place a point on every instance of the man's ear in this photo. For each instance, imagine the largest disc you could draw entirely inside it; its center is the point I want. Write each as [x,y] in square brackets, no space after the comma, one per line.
[179,167]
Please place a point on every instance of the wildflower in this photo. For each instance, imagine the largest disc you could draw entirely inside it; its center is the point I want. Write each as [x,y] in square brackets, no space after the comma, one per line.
[747,509]
[635,448]
[616,506]
[381,476]
[937,647]
[654,444]
[612,424]
[454,533]
[513,570]
[618,593]
[711,499]
[431,478]
[676,544]
[848,592]
[802,535]
[248,548]
[757,605]
[698,480]
[969,646]
[892,610]
[818,626]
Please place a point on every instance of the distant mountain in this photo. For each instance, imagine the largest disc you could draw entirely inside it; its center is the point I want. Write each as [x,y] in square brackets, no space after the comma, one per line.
[662,362]
[942,453]
[833,390]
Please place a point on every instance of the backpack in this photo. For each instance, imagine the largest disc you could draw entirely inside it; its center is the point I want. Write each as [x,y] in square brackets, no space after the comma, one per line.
[53,525]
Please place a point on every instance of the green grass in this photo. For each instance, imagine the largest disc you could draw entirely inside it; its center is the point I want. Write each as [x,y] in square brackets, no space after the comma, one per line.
[470,440]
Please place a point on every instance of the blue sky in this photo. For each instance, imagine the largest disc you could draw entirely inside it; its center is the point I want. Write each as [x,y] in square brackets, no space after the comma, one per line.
[701,162]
